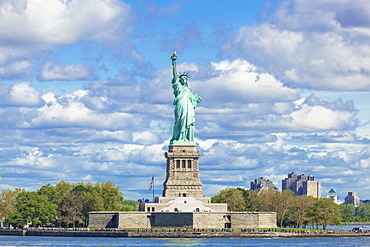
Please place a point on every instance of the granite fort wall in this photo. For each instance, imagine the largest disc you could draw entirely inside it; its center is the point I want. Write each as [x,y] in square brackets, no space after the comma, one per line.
[252,219]
[134,220]
[182,219]
[103,219]
[172,220]
[244,220]
[267,220]
[209,220]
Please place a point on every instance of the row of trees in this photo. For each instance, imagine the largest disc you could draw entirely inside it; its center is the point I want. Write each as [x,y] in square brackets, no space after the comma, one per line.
[68,204]
[350,213]
[290,210]
[65,204]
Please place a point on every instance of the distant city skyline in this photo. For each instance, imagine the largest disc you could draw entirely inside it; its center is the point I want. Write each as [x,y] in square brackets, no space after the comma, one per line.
[300,188]
[260,184]
[85,92]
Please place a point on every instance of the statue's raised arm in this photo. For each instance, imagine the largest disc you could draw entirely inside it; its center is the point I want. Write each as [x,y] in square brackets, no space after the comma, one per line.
[174,70]
[185,102]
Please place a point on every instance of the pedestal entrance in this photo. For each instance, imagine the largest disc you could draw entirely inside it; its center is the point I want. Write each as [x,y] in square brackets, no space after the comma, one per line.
[182,173]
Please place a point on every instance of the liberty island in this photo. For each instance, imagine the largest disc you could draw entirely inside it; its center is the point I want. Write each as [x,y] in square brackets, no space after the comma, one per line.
[182,203]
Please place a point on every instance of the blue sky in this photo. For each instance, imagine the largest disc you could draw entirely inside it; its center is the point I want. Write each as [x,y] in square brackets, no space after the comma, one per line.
[85,91]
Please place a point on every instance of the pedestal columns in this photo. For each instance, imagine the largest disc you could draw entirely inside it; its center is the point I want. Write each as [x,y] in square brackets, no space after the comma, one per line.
[182,173]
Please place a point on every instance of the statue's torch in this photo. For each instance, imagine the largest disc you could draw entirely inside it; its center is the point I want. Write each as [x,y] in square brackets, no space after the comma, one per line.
[174,57]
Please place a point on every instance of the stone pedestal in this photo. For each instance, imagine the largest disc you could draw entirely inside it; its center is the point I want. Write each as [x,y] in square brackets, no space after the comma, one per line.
[182,173]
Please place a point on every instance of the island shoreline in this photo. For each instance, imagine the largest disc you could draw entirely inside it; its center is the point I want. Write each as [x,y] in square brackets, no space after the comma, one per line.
[176,234]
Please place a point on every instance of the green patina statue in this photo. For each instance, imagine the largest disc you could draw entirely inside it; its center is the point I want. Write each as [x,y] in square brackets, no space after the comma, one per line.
[185,103]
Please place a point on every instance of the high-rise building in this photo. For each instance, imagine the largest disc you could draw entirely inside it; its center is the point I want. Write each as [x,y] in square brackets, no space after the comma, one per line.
[302,185]
[352,198]
[260,184]
[332,194]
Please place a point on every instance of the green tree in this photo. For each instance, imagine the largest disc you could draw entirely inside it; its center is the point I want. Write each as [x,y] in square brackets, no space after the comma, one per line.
[281,203]
[71,209]
[364,212]
[299,215]
[274,201]
[111,194]
[33,209]
[325,212]
[233,197]
[130,205]
[7,203]
[60,191]
[99,197]
[347,212]
[47,191]
[246,195]
[91,199]
[65,202]
[256,203]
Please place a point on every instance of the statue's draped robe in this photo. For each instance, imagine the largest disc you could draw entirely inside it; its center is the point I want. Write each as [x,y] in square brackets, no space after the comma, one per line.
[185,103]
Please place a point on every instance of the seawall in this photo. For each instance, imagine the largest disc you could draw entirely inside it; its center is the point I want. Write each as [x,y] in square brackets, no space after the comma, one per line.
[174,234]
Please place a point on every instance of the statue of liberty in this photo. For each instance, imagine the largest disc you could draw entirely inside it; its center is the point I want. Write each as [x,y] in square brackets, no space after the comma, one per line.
[185,103]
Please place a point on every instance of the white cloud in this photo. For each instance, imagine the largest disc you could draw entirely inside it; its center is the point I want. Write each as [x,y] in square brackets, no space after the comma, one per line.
[68,72]
[15,69]
[106,135]
[111,154]
[68,111]
[365,163]
[145,137]
[313,44]
[87,178]
[30,28]
[24,94]
[241,82]
[54,22]
[296,116]
[333,180]
[76,114]
[21,94]
[320,118]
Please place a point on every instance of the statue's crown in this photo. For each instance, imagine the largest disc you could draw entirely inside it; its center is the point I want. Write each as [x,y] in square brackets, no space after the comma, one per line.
[185,74]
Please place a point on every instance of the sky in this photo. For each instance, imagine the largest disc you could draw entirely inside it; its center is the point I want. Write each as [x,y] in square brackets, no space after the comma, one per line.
[85,91]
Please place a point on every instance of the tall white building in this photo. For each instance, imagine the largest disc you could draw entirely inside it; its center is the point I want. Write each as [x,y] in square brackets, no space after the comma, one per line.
[332,194]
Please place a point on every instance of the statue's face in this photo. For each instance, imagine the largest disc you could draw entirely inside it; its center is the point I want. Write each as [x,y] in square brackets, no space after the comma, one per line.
[184,80]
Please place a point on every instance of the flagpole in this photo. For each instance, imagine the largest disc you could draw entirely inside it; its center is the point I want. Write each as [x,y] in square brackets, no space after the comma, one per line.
[153,188]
